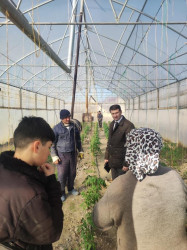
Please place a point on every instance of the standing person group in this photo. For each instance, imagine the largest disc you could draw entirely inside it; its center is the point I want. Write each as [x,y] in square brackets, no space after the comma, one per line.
[64,152]
[100,118]
[115,151]
[31,214]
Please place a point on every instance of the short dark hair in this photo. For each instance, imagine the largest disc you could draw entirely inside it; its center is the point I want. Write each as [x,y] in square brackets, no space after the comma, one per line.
[114,107]
[32,128]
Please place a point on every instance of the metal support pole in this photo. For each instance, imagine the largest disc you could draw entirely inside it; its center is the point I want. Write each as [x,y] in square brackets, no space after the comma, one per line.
[72,33]
[22,23]
[46,102]
[86,88]
[146,108]
[20,98]
[157,108]
[35,101]
[77,58]
[178,90]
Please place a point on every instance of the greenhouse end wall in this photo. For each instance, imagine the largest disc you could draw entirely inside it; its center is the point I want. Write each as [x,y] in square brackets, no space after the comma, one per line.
[16,103]
[164,111]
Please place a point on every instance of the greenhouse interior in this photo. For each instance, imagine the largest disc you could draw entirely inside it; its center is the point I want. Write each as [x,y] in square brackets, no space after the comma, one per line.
[85,56]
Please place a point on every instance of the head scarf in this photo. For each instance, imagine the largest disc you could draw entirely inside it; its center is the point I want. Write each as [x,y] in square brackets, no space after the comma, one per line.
[142,153]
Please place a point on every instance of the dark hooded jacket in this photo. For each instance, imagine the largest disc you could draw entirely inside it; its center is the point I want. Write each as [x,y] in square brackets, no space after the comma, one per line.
[115,151]
[31,208]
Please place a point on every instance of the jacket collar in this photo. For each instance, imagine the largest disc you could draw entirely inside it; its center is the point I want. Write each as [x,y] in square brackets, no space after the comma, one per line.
[17,165]
[71,125]
[122,119]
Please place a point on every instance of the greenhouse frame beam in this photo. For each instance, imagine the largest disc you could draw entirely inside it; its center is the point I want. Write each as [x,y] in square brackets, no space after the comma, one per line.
[22,58]
[102,80]
[47,67]
[12,85]
[131,70]
[129,7]
[126,87]
[121,12]
[72,33]
[121,36]
[137,20]
[22,23]
[26,11]
[141,43]
[156,64]
[106,65]
[101,23]
[102,47]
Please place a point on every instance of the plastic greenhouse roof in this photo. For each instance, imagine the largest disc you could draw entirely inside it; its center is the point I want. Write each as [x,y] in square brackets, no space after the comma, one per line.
[127,47]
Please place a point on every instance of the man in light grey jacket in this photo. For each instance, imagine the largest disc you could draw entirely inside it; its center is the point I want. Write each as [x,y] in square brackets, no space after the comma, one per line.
[148,204]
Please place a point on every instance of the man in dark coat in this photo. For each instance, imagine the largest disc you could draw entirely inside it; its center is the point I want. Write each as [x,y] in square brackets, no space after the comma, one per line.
[115,151]
[31,214]
[64,152]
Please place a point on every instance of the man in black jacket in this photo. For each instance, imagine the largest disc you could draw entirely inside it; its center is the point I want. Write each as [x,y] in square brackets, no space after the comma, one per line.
[115,151]
[31,214]
[64,152]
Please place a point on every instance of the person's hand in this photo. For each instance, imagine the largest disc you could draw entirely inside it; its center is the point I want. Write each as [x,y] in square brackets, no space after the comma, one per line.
[125,169]
[106,160]
[56,162]
[81,155]
[48,169]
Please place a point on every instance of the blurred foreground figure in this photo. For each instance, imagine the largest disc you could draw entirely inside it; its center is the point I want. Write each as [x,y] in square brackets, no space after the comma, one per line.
[31,214]
[148,204]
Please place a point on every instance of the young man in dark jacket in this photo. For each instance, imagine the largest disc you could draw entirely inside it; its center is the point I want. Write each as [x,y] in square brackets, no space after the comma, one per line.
[115,151]
[31,214]
[64,152]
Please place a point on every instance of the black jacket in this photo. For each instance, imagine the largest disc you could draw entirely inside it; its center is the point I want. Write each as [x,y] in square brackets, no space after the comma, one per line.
[115,151]
[31,208]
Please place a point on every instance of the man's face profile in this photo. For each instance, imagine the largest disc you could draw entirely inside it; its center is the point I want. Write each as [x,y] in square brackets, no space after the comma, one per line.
[116,114]
[66,120]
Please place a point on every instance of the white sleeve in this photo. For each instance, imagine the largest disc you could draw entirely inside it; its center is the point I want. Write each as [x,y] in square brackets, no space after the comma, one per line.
[55,158]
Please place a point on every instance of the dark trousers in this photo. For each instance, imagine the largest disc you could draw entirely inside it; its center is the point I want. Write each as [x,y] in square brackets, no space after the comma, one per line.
[116,172]
[67,170]
[100,123]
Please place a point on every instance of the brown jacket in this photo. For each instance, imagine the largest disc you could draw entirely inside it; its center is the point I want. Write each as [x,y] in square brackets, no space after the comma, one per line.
[115,151]
[31,208]
[148,215]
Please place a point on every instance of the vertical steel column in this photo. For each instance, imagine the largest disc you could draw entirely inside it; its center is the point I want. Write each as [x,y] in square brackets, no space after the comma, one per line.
[20,98]
[21,102]
[46,102]
[178,90]
[35,101]
[72,34]
[157,108]
[77,59]
[86,86]
[146,107]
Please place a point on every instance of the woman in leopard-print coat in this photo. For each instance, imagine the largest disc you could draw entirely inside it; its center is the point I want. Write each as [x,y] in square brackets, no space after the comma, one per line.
[148,204]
